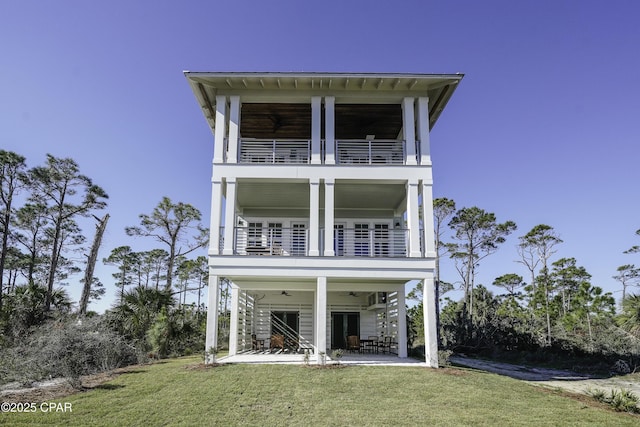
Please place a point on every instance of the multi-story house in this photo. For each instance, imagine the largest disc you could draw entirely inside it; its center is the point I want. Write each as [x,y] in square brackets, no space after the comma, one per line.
[321,205]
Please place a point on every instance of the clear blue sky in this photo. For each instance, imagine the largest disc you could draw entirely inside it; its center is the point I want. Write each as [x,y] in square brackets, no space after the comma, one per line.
[544,128]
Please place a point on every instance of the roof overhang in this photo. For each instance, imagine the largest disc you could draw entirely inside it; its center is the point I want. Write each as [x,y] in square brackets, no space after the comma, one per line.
[383,88]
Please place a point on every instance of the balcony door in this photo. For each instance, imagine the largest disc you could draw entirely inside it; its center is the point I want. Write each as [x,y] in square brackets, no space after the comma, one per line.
[342,326]
[298,239]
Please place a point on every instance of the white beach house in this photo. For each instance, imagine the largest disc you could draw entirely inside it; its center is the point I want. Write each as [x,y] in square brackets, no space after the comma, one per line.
[321,206]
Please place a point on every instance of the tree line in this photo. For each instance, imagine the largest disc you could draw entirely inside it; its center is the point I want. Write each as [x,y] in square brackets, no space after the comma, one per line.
[159,307]
[556,309]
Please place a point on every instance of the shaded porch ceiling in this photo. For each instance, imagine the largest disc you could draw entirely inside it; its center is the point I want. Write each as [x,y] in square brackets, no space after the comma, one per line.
[293,121]
[274,194]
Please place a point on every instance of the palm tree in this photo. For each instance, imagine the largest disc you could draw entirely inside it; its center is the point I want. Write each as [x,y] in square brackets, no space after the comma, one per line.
[139,308]
[629,319]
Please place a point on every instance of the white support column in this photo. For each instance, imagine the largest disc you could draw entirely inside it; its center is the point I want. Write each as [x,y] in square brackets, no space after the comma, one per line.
[216,216]
[329,130]
[423,130]
[233,324]
[314,217]
[413,222]
[427,220]
[329,187]
[229,217]
[221,129]
[234,129]
[409,130]
[321,317]
[316,121]
[429,314]
[211,339]
[402,323]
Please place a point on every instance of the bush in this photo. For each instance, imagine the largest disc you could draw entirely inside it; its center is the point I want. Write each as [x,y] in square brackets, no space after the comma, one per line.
[619,400]
[68,349]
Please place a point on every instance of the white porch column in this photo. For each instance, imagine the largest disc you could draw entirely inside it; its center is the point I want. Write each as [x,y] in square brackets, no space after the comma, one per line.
[233,324]
[211,339]
[221,129]
[402,323]
[409,130]
[234,129]
[430,335]
[321,317]
[314,216]
[329,130]
[329,187]
[216,215]
[229,217]
[316,121]
[413,222]
[427,220]
[423,130]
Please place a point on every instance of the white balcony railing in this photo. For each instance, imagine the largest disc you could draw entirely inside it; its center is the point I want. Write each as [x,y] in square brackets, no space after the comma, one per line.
[347,152]
[274,151]
[272,240]
[376,152]
[347,242]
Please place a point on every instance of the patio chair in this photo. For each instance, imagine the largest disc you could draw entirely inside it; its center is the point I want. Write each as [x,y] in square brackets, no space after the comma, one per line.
[276,341]
[386,345]
[353,343]
[375,343]
[256,344]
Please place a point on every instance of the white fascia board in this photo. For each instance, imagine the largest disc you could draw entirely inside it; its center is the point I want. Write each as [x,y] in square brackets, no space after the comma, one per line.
[309,267]
[310,172]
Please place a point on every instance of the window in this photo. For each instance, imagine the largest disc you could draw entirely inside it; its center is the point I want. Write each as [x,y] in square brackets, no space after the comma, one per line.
[381,240]
[254,236]
[361,240]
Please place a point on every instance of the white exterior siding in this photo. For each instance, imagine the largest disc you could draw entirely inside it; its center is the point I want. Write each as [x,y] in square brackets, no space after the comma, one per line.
[308,152]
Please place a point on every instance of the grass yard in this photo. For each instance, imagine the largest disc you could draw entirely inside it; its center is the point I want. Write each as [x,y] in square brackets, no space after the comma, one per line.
[179,392]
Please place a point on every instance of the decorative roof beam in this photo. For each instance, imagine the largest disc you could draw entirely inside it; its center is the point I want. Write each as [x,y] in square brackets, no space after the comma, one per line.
[244,82]
[395,84]
[379,84]
[229,82]
[262,83]
[364,81]
[413,84]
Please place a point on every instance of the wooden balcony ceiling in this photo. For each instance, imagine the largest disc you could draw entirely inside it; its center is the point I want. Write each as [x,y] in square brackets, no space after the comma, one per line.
[386,88]
[352,121]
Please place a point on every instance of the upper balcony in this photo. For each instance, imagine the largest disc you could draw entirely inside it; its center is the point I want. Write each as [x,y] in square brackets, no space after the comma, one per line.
[297,151]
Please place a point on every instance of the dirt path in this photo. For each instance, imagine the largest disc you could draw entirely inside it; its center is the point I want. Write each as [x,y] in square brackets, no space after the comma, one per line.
[552,378]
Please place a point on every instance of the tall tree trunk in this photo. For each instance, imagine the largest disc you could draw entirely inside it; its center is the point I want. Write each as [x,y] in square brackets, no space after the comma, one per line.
[91,263]
[5,240]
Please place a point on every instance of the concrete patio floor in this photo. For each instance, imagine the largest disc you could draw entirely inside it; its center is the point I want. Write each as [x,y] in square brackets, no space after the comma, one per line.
[298,359]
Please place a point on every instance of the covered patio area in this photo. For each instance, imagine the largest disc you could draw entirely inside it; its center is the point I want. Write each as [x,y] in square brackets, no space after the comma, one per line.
[362,359]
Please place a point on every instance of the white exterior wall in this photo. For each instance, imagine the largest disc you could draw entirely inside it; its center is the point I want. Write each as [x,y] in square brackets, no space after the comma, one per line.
[363,274]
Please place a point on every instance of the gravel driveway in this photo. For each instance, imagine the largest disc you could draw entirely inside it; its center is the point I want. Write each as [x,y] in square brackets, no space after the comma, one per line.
[553,378]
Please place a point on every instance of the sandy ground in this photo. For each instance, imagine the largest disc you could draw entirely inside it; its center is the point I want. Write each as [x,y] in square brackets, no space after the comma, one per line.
[552,378]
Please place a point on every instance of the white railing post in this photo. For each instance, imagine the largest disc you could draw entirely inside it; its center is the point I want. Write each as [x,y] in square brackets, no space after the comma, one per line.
[409,130]
[220,129]
[234,129]
[329,130]
[229,217]
[329,201]
[314,216]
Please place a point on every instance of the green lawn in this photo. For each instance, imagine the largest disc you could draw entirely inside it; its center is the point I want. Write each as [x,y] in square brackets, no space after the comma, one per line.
[174,393]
